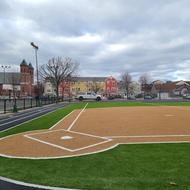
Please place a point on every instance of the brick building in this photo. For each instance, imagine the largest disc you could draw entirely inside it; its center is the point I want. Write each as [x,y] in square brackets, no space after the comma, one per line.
[18,84]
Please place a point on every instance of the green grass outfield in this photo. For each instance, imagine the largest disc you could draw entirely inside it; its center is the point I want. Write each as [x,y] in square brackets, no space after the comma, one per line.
[138,166]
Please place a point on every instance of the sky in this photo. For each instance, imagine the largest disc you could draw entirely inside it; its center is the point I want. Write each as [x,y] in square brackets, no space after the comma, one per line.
[107,37]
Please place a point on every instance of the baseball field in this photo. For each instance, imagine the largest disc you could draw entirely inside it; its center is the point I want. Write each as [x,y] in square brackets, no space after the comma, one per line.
[118,145]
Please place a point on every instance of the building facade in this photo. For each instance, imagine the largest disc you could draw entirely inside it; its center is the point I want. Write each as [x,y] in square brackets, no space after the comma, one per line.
[20,84]
[110,86]
[26,79]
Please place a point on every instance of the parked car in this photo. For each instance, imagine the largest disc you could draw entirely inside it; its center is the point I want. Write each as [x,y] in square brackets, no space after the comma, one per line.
[147,97]
[110,98]
[188,96]
[132,98]
[88,96]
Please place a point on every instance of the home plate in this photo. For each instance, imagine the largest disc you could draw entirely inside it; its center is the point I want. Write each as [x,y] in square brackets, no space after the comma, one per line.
[73,141]
[66,137]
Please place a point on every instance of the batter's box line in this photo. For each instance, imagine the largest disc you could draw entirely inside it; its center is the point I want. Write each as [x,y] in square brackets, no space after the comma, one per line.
[150,136]
[51,144]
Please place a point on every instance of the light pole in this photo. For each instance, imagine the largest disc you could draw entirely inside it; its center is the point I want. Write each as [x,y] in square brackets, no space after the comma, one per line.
[4,67]
[36,49]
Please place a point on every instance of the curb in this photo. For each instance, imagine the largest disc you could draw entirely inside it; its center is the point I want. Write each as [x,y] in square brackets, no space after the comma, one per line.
[6,183]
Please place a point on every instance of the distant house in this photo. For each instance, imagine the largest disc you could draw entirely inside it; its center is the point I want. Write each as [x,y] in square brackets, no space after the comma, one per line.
[110,86]
[64,89]
[134,89]
[171,89]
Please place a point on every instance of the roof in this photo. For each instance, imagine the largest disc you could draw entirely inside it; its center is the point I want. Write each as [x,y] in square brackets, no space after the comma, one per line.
[181,87]
[91,78]
[30,66]
[23,63]
[10,78]
[170,86]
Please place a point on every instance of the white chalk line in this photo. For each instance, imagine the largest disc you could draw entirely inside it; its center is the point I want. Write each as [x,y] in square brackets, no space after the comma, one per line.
[95,152]
[61,120]
[76,118]
[61,147]
[147,136]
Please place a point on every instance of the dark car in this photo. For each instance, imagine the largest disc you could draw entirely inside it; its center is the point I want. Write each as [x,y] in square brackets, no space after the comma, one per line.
[110,98]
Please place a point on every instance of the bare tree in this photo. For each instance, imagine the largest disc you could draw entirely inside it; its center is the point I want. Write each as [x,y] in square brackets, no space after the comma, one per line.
[95,86]
[56,70]
[145,80]
[126,81]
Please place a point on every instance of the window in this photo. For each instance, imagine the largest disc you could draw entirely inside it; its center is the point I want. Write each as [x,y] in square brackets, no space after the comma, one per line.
[108,89]
[85,82]
[90,82]
[60,89]
[108,82]
[89,89]
[22,89]
[84,88]
[48,90]
[78,89]
[73,89]
[73,82]
[102,89]
[29,83]
[102,83]
[78,82]
[113,82]
[97,83]
[113,89]
[66,89]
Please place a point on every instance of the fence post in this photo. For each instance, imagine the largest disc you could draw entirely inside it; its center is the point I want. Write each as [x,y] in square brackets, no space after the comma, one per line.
[5,106]
[31,103]
[24,104]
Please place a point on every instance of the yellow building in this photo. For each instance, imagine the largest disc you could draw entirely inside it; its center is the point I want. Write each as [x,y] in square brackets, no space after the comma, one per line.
[88,84]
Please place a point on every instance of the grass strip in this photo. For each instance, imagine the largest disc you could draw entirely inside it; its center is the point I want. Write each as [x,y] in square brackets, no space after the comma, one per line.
[138,166]
[116,104]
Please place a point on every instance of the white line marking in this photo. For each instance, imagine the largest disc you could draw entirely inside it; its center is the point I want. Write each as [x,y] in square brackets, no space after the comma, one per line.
[76,118]
[28,136]
[103,150]
[149,136]
[61,120]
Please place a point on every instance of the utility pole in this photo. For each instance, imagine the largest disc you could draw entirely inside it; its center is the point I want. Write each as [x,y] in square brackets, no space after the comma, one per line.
[36,49]
[4,67]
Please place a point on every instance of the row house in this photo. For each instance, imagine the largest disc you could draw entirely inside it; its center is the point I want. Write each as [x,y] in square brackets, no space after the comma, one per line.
[105,86]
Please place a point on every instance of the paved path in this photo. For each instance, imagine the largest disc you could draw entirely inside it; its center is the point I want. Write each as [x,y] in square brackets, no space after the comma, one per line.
[11,120]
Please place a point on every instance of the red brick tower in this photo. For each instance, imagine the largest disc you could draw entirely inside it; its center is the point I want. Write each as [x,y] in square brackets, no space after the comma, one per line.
[26,79]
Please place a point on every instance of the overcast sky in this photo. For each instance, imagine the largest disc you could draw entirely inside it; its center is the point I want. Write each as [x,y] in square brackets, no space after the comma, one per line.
[107,37]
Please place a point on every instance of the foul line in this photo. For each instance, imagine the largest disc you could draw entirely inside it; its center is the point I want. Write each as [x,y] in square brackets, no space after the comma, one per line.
[150,136]
[76,118]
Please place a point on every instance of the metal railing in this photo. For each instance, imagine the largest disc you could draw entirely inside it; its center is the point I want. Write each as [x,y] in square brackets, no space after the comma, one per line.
[7,105]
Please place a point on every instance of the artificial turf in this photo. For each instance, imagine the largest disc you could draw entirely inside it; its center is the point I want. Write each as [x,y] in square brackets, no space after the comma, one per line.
[137,166]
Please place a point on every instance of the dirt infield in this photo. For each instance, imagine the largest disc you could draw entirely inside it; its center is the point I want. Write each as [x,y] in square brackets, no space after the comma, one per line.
[94,130]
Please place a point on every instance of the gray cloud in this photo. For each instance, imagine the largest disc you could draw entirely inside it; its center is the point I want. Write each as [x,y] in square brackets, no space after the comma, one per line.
[107,37]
